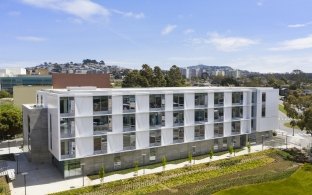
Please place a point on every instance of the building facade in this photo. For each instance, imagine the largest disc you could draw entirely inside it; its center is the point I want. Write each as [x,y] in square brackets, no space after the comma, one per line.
[117,127]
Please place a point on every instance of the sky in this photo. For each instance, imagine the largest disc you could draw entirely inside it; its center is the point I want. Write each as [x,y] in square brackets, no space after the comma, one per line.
[254,35]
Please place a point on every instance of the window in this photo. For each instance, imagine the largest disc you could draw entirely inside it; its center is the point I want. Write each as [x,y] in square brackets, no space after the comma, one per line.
[201,116]
[68,148]
[201,99]
[67,105]
[235,127]
[117,161]
[100,144]
[178,118]
[129,103]
[218,114]
[218,99]
[102,124]
[178,135]
[237,112]
[129,141]
[128,122]
[225,144]
[155,138]
[263,111]
[178,101]
[157,102]
[253,125]
[102,104]
[254,97]
[199,132]
[67,126]
[237,98]
[157,119]
[152,154]
[253,111]
[263,97]
[218,130]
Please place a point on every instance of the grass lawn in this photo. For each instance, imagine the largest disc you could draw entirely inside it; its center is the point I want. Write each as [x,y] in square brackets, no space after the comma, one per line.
[298,183]
[282,109]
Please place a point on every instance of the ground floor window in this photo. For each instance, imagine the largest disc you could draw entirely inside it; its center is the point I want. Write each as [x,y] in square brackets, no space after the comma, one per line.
[72,168]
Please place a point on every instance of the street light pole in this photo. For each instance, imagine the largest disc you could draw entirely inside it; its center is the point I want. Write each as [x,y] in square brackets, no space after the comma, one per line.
[143,155]
[82,168]
[262,136]
[16,155]
[24,174]
[8,136]
[194,153]
[234,147]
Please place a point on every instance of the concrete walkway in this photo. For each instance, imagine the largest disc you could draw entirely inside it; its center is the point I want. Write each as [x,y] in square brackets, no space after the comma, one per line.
[45,178]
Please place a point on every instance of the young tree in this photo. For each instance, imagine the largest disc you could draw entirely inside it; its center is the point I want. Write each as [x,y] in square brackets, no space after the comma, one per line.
[211,153]
[248,147]
[10,120]
[102,173]
[164,162]
[231,150]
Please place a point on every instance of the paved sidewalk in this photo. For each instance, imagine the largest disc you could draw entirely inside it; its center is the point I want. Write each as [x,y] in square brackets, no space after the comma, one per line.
[45,178]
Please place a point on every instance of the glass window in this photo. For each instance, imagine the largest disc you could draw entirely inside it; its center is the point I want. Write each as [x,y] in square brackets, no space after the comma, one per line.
[178,135]
[157,119]
[263,97]
[102,124]
[129,103]
[178,101]
[263,113]
[201,116]
[102,104]
[155,138]
[218,114]
[152,154]
[235,127]
[68,148]
[237,112]
[237,98]
[100,144]
[253,125]
[129,141]
[67,126]
[218,99]
[129,122]
[201,99]
[253,111]
[178,118]
[157,102]
[254,97]
[218,130]
[199,132]
[67,105]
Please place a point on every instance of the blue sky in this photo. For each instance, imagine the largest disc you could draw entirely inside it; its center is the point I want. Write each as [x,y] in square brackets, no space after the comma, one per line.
[256,35]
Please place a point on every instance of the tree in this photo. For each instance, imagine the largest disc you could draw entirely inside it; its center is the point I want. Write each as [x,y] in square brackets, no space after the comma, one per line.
[102,173]
[4,94]
[134,79]
[158,79]
[147,73]
[248,147]
[10,120]
[231,150]
[174,77]
[211,153]
[164,162]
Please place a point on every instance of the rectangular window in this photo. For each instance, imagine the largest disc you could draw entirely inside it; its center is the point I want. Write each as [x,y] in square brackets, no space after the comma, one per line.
[218,114]
[237,98]
[237,112]
[102,124]
[100,144]
[218,130]
[201,116]
[117,161]
[157,119]
[201,99]
[129,103]
[67,126]
[263,97]
[178,135]
[235,128]
[253,125]
[157,102]
[129,122]
[254,97]
[67,105]
[178,101]
[155,138]
[199,132]
[253,111]
[68,148]
[178,118]
[129,141]
[218,99]
[102,104]
[152,154]
[263,111]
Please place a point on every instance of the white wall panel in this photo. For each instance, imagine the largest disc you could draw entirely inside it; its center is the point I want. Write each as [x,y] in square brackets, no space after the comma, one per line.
[188,134]
[117,104]
[246,98]
[246,112]
[210,100]
[142,102]
[166,137]
[83,106]
[245,126]
[228,98]
[189,118]
[169,102]
[169,119]
[209,132]
[189,100]
[210,115]
[114,143]
[142,121]
[227,127]
[142,139]
[84,146]
[117,123]
[84,126]
[227,114]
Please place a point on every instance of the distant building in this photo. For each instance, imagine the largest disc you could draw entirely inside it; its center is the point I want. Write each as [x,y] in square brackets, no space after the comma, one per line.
[38,71]
[218,73]
[8,72]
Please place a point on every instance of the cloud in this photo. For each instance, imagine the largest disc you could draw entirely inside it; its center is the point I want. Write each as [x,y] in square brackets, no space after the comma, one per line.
[129,14]
[299,25]
[223,43]
[31,39]
[188,31]
[259,3]
[83,9]
[294,44]
[168,29]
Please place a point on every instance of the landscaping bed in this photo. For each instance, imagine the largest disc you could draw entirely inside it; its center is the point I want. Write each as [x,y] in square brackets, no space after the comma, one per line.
[4,186]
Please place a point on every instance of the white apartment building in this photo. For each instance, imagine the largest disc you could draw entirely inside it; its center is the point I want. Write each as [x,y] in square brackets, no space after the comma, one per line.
[117,127]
